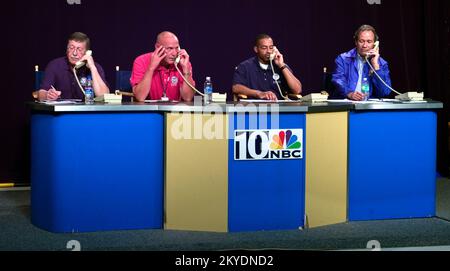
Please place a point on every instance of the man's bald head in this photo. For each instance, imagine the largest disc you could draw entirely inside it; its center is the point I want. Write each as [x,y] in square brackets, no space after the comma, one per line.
[165,35]
[171,46]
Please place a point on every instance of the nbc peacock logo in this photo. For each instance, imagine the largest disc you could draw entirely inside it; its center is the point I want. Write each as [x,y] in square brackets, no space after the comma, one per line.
[285,140]
[268,144]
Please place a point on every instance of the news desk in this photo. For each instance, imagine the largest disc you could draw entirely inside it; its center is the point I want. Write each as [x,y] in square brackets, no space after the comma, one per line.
[178,166]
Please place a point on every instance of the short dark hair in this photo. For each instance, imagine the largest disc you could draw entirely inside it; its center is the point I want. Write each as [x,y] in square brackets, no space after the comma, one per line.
[261,37]
[365,27]
[80,37]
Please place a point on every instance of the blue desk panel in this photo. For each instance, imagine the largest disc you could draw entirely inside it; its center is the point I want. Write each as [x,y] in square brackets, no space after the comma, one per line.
[392,158]
[267,194]
[99,171]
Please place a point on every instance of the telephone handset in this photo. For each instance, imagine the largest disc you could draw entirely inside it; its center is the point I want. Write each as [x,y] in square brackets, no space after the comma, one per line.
[273,54]
[178,58]
[376,45]
[80,64]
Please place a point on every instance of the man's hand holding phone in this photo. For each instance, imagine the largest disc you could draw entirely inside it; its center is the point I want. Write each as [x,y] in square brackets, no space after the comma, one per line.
[184,59]
[374,55]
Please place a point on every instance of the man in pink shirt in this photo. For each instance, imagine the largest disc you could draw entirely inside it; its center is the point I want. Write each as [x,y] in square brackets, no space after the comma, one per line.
[154,73]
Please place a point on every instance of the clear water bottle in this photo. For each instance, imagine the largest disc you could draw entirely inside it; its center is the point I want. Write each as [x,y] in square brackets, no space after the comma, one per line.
[88,91]
[207,90]
[365,88]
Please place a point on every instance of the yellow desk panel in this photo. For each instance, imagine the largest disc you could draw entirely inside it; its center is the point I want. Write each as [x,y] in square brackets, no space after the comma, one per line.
[196,170]
[326,168]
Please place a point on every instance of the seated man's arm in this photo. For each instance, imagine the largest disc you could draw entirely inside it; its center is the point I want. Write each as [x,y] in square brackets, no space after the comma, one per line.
[186,92]
[380,90]
[241,82]
[98,82]
[265,95]
[141,79]
[339,78]
[294,84]
[46,91]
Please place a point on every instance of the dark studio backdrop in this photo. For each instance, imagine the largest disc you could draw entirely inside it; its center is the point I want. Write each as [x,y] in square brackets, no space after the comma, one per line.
[414,37]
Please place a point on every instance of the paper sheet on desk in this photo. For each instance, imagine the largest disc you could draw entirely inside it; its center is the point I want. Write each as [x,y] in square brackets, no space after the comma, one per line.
[267,101]
[370,101]
[73,101]
[160,101]
[339,101]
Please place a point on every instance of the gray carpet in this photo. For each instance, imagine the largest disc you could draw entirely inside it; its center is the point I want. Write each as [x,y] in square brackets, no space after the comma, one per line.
[17,233]
[443,198]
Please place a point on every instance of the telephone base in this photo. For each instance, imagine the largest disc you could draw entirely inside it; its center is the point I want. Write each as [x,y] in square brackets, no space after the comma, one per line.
[219,98]
[165,99]
[410,96]
[315,98]
[109,98]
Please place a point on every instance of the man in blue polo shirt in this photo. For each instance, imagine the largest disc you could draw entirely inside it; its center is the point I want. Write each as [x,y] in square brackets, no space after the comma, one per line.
[352,68]
[59,80]
[255,79]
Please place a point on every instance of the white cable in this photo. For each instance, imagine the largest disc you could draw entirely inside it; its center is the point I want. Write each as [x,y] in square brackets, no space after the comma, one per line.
[368,62]
[187,82]
[276,81]
[78,81]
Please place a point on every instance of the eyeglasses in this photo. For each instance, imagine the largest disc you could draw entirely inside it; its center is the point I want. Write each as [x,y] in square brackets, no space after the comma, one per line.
[78,49]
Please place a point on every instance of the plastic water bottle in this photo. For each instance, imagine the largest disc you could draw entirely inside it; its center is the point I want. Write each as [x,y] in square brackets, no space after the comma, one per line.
[88,91]
[365,88]
[207,90]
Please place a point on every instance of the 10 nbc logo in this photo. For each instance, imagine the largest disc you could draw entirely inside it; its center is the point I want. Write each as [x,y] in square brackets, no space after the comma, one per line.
[268,144]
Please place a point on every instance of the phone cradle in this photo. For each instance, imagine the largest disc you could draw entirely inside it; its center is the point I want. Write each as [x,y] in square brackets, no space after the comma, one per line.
[410,96]
[315,98]
[111,98]
[219,98]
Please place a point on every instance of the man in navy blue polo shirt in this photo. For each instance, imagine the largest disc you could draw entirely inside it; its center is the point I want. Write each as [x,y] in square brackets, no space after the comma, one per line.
[255,79]
[59,80]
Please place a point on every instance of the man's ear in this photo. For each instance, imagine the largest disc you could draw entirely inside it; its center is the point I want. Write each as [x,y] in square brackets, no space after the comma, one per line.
[255,49]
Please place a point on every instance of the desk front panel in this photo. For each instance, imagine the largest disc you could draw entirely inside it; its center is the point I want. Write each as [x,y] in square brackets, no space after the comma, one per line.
[266,194]
[97,171]
[392,164]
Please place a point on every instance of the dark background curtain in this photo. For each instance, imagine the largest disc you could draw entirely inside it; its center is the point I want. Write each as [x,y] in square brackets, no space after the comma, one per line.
[218,35]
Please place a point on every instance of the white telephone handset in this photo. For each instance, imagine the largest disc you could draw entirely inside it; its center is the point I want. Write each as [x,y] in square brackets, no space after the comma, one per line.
[178,58]
[376,46]
[273,54]
[80,64]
